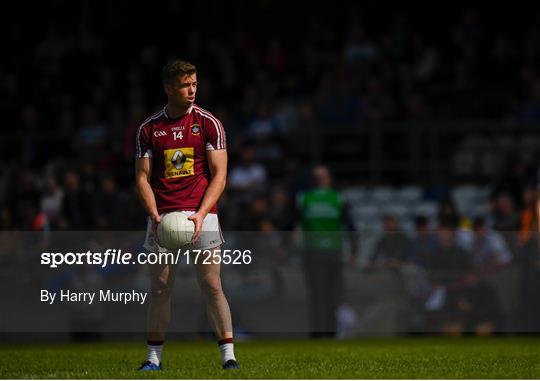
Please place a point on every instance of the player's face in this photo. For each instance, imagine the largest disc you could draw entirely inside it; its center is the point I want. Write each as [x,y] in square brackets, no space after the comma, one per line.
[182,93]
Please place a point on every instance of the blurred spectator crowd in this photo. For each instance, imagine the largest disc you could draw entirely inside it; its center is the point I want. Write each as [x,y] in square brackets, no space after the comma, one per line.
[80,81]
[466,274]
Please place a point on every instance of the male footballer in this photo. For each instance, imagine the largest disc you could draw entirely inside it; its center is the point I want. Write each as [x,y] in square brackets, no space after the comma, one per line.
[181,165]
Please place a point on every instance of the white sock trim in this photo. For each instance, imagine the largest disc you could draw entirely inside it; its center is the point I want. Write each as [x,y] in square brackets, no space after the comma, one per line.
[154,354]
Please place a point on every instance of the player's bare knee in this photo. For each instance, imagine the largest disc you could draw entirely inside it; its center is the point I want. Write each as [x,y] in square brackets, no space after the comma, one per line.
[160,288]
[211,286]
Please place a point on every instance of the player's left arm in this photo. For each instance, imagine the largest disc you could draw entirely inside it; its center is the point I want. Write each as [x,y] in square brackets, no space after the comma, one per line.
[217,163]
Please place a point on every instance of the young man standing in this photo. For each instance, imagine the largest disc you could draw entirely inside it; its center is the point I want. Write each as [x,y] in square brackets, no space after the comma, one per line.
[181,165]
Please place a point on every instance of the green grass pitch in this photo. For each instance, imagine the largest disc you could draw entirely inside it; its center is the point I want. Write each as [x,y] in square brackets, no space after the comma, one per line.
[369,358]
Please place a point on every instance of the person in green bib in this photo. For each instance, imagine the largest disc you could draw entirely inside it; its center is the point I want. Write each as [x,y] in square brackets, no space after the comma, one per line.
[324,219]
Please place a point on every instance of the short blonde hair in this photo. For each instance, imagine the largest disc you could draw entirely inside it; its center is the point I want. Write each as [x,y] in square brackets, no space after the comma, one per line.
[176,68]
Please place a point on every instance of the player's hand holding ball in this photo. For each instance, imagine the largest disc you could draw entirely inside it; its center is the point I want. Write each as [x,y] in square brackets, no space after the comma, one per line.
[156,219]
[197,219]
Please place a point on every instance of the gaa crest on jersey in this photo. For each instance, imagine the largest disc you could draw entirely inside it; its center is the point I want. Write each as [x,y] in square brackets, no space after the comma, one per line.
[179,162]
[195,129]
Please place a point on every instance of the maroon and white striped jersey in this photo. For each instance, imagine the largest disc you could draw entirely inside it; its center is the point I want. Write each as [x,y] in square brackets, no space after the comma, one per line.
[177,148]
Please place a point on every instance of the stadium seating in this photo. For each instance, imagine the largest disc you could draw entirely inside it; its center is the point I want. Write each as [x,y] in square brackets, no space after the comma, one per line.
[370,205]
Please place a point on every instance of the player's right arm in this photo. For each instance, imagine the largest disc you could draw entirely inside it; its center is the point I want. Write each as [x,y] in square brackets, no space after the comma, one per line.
[143,172]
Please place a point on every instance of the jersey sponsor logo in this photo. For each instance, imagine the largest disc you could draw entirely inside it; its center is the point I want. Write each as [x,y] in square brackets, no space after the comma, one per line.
[178,159]
[158,134]
[195,129]
[179,162]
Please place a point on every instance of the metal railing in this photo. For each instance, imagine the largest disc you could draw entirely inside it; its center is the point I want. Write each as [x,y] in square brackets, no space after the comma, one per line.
[372,153]
[415,152]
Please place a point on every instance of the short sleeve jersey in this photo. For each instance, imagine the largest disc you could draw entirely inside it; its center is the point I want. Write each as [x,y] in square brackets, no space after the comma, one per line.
[178,148]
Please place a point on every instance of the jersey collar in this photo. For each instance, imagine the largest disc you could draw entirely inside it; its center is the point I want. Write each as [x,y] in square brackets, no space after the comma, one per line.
[168,117]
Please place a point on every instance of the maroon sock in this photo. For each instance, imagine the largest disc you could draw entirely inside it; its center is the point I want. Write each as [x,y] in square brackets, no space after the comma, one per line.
[225,341]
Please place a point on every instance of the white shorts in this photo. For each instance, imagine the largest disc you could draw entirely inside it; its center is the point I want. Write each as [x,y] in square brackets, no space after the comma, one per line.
[210,238]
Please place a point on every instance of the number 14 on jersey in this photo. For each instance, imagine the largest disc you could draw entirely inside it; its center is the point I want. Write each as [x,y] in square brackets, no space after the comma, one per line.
[178,135]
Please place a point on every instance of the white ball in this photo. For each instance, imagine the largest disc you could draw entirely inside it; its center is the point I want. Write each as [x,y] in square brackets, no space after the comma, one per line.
[175,231]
